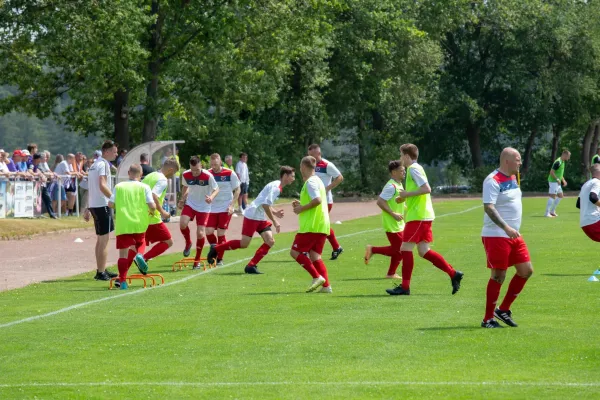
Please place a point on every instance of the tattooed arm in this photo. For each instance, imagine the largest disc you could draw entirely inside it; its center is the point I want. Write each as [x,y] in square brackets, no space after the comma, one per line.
[491,212]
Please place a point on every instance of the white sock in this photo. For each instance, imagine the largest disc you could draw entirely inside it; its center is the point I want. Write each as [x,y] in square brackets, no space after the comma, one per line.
[549,205]
[555,204]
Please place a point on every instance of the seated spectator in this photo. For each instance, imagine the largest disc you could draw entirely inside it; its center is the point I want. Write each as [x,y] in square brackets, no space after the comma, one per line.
[146,168]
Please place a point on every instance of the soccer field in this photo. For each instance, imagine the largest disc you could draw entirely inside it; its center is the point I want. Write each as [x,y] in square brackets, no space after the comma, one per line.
[223,334]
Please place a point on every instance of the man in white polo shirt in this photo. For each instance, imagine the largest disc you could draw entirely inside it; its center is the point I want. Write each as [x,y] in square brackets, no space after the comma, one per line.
[588,203]
[241,169]
[99,192]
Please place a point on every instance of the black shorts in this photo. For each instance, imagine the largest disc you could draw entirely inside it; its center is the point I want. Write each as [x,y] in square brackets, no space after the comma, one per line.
[243,188]
[103,221]
[71,189]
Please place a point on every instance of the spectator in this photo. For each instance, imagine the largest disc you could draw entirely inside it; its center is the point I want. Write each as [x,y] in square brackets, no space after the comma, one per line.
[37,169]
[17,159]
[146,169]
[167,154]
[122,155]
[32,149]
[78,162]
[71,184]
[228,163]
[241,169]
[97,154]
[3,160]
[45,167]
[84,164]
[57,188]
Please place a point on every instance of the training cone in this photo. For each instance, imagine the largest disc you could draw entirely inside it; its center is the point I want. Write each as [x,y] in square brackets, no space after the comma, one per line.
[597,272]
[78,240]
[593,279]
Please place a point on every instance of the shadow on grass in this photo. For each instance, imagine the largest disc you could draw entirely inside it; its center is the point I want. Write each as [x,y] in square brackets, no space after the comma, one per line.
[367,279]
[230,273]
[450,328]
[562,275]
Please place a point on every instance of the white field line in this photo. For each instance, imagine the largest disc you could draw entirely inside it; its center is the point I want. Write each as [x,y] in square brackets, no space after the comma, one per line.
[291,383]
[138,291]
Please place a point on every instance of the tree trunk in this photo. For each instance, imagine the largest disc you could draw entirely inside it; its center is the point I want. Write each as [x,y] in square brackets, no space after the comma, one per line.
[151,111]
[362,153]
[473,135]
[585,151]
[121,118]
[555,140]
[594,145]
[529,150]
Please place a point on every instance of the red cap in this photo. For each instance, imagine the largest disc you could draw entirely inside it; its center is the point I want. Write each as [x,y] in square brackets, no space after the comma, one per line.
[17,153]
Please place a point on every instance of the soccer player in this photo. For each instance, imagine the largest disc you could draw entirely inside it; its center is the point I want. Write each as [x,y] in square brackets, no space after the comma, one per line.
[555,179]
[199,191]
[313,218]
[241,169]
[588,203]
[255,221]
[504,245]
[222,207]
[331,178]
[419,217]
[392,217]
[596,158]
[133,204]
[158,232]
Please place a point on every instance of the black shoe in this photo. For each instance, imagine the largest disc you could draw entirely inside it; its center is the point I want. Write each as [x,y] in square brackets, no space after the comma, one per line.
[212,255]
[492,323]
[111,274]
[252,269]
[505,316]
[398,291]
[102,276]
[53,216]
[456,281]
[187,250]
[117,283]
[336,253]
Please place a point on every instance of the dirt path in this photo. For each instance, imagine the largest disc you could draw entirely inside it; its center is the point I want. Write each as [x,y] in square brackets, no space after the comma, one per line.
[23,262]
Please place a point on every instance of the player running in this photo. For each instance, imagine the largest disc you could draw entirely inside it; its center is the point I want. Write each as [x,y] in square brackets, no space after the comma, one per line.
[588,203]
[555,179]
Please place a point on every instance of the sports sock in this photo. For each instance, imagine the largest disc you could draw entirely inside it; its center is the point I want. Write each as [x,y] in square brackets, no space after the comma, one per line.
[408,263]
[212,238]
[322,270]
[186,235]
[156,251]
[199,246]
[123,268]
[549,205]
[394,263]
[491,298]
[555,204]
[516,285]
[230,245]
[333,240]
[437,260]
[259,255]
[221,240]
[303,260]
[386,251]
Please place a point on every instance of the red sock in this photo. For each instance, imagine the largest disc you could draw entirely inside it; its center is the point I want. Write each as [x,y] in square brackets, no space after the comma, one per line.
[394,263]
[220,240]
[386,251]
[156,251]
[212,238]
[303,260]
[123,267]
[516,285]
[142,248]
[491,298]
[437,260]
[259,255]
[333,240]
[231,245]
[408,263]
[186,235]
[322,270]
[130,256]
[199,246]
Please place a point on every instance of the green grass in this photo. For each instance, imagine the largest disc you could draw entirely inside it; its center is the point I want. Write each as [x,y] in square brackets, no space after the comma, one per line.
[12,228]
[223,334]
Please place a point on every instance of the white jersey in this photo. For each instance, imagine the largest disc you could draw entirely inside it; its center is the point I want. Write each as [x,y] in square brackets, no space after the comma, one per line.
[589,213]
[198,188]
[241,169]
[267,196]
[327,171]
[228,182]
[99,168]
[505,194]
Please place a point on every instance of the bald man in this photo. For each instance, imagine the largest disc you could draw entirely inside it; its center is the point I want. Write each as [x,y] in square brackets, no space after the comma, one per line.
[588,203]
[504,245]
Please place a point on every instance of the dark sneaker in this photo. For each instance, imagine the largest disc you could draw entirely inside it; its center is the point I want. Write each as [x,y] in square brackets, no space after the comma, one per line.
[212,255]
[506,317]
[336,253]
[491,324]
[252,269]
[102,276]
[398,291]
[188,248]
[456,281]
[111,274]
[219,262]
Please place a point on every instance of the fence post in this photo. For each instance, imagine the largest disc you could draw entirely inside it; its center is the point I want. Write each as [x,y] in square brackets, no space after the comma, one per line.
[59,196]
[77,194]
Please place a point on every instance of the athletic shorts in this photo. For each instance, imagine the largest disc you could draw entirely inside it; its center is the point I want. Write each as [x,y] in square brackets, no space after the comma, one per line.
[244,188]
[417,232]
[71,189]
[103,220]
[200,217]
[555,188]
[252,226]
[218,220]
[395,239]
[130,239]
[306,242]
[157,233]
[592,231]
[503,252]
[329,207]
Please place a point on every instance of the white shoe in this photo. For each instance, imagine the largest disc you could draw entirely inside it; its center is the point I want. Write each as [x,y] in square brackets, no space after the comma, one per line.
[325,290]
[548,216]
[316,283]
[553,214]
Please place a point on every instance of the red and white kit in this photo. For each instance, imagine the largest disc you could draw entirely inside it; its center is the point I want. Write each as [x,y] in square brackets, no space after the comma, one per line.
[199,187]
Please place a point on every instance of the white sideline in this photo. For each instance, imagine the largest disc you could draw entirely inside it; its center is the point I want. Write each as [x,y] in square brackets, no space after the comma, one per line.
[132,292]
[290,383]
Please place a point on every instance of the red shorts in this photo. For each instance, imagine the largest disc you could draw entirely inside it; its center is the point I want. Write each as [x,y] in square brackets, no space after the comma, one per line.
[329,207]
[418,231]
[218,220]
[252,226]
[157,233]
[305,242]
[503,252]
[592,231]
[201,218]
[395,239]
[130,239]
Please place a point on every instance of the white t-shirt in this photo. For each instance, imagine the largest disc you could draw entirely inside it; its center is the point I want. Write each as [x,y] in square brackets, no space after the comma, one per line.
[504,192]
[3,167]
[589,213]
[63,168]
[313,188]
[241,168]
[327,171]
[198,188]
[99,168]
[267,196]
[228,181]
[147,193]
[419,178]
[161,184]
[388,192]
